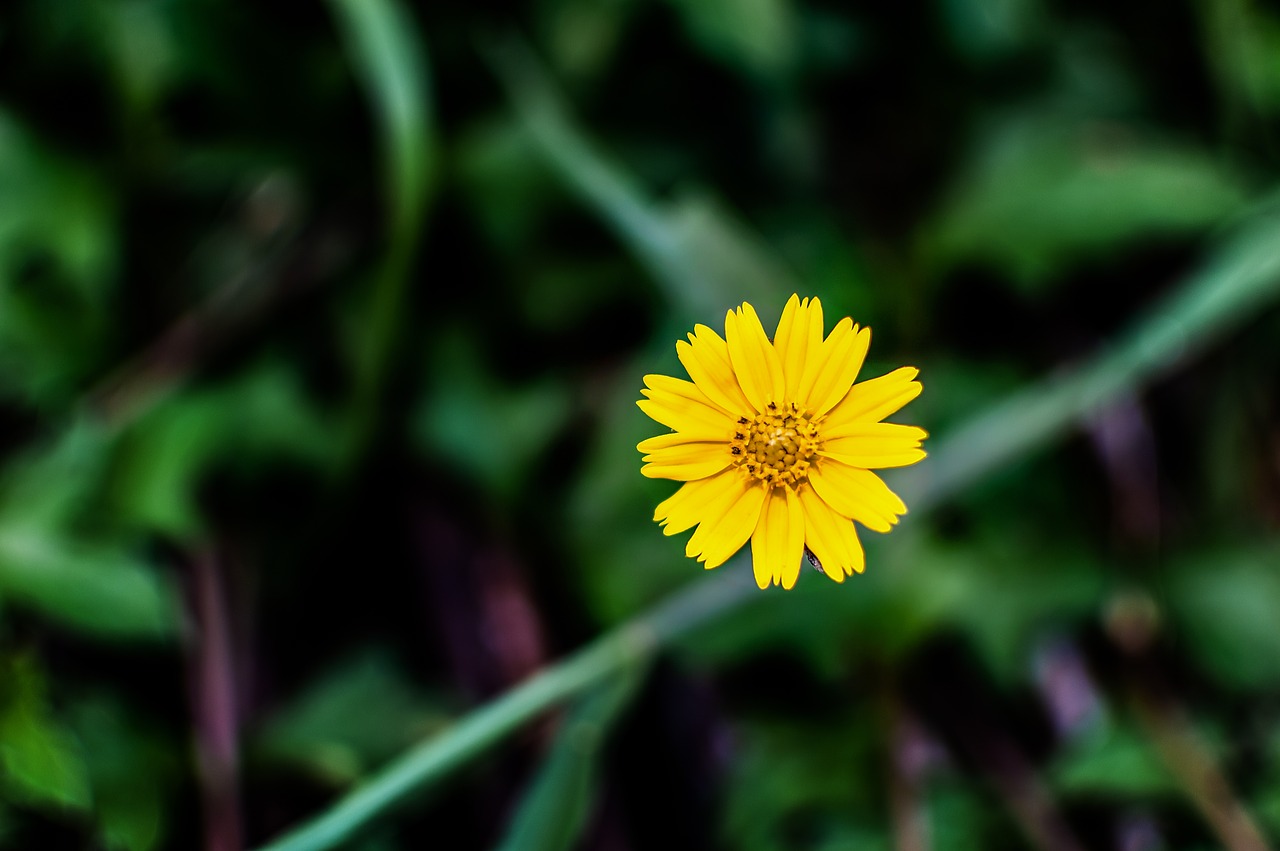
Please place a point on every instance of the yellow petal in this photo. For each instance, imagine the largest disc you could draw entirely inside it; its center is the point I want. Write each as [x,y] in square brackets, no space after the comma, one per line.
[680,405]
[687,459]
[728,525]
[857,494]
[685,508]
[908,436]
[688,453]
[793,557]
[876,398]
[798,339]
[666,441]
[683,470]
[706,357]
[679,417]
[831,537]
[716,506]
[665,385]
[755,363]
[777,545]
[832,370]
[876,460]
[874,446]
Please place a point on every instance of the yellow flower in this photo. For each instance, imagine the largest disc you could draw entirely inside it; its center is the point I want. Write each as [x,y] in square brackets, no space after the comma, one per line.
[774,442]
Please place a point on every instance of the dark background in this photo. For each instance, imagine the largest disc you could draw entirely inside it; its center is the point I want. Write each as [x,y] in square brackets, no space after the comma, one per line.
[321,327]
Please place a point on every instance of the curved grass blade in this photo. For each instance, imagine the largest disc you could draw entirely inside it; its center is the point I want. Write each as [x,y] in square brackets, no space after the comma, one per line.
[390,59]
[556,807]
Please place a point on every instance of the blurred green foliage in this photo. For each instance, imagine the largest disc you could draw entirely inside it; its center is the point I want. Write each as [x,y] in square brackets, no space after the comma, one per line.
[42,764]
[321,327]
[362,714]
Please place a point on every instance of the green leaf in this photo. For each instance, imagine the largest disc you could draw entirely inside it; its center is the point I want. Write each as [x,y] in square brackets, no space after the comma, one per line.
[555,808]
[40,763]
[986,30]
[487,431]
[259,417]
[50,561]
[1111,760]
[1224,607]
[1266,799]
[97,588]
[999,594]
[390,59]
[1239,278]
[57,261]
[784,776]
[758,36]
[52,484]
[582,35]
[132,771]
[702,257]
[355,718]
[1047,193]
[142,48]
[1242,43]
[961,818]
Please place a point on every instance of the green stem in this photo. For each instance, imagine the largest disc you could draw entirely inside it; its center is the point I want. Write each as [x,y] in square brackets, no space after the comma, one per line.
[1240,279]
[628,645]
[389,57]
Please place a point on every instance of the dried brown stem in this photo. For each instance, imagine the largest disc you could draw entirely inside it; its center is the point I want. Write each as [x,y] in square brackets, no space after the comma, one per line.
[285,260]
[1027,798]
[1192,763]
[213,692]
[906,769]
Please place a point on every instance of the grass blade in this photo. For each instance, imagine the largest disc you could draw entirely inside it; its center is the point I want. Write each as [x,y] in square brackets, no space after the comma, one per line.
[556,807]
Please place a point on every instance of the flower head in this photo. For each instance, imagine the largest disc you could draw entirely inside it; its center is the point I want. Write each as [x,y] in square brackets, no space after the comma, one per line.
[776,443]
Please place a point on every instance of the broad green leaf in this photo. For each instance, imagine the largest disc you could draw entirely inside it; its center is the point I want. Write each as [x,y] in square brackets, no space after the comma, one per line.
[1111,760]
[703,259]
[132,770]
[472,422]
[1000,595]
[96,588]
[757,36]
[988,29]
[57,555]
[961,816]
[57,262]
[260,417]
[40,762]
[1224,606]
[360,714]
[557,804]
[142,48]
[507,186]
[806,771]
[1242,43]
[54,482]
[582,35]
[1045,193]
[1239,278]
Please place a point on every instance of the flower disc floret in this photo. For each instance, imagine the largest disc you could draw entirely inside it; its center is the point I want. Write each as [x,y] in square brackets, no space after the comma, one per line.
[775,447]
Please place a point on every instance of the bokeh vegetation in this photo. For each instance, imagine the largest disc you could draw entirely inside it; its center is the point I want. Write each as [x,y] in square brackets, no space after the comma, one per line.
[321,327]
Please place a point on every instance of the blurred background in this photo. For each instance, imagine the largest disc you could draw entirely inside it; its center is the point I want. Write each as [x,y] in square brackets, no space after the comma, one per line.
[321,328]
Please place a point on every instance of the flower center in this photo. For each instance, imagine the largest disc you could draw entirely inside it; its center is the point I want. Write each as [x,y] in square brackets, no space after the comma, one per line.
[777,446]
